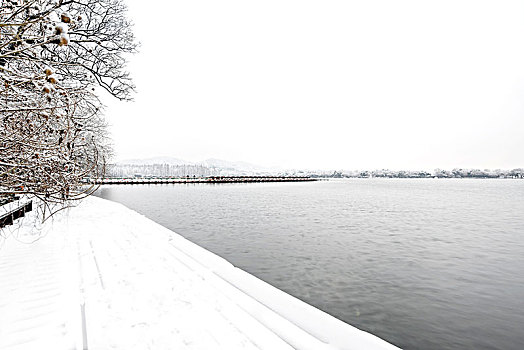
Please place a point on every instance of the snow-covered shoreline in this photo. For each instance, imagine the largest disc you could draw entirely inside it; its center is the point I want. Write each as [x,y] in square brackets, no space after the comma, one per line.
[146,287]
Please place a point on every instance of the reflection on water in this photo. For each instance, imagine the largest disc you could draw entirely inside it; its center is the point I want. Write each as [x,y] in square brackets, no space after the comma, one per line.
[423,263]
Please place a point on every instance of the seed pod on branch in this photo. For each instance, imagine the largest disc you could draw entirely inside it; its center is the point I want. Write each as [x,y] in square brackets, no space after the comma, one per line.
[53,79]
[64,39]
[65,17]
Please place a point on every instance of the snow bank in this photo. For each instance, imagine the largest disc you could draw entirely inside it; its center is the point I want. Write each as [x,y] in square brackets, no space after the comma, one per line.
[146,287]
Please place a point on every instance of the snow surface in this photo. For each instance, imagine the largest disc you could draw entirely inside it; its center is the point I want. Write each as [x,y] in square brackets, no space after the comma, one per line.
[145,287]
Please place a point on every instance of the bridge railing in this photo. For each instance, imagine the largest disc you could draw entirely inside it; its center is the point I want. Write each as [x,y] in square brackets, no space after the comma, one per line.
[13,210]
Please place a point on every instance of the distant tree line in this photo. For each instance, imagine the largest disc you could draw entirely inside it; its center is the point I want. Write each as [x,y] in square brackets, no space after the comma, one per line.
[160,170]
[439,173]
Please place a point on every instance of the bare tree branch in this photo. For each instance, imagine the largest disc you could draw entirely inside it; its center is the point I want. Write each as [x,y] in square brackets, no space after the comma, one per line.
[52,56]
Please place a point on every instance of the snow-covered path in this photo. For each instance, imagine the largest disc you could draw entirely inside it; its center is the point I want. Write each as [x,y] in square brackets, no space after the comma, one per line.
[145,287]
[35,299]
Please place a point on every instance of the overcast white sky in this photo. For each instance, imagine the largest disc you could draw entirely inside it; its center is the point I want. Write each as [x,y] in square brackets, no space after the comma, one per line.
[327,84]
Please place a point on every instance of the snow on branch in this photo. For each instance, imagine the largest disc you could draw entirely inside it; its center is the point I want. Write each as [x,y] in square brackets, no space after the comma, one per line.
[53,54]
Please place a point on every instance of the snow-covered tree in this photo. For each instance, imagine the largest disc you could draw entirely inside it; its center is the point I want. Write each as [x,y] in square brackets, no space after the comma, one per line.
[53,56]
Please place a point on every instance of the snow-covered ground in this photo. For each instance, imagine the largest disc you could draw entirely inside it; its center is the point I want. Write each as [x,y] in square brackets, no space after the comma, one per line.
[145,287]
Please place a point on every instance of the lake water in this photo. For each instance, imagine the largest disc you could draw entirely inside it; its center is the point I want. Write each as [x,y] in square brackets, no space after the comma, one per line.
[422,263]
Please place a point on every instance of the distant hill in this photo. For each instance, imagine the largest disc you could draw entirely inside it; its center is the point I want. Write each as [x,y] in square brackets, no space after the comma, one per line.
[155,160]
[225,164]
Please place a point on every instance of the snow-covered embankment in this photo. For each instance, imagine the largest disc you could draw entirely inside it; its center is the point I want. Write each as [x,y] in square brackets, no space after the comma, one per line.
[146,287]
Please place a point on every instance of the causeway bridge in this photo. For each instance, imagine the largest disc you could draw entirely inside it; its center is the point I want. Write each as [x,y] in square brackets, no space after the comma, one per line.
[205,180]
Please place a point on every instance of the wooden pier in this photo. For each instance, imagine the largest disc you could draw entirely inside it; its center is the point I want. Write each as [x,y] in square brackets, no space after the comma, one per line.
[202,180]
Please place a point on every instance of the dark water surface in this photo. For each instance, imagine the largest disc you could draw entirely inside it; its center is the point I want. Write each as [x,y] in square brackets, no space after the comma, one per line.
[423,263]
